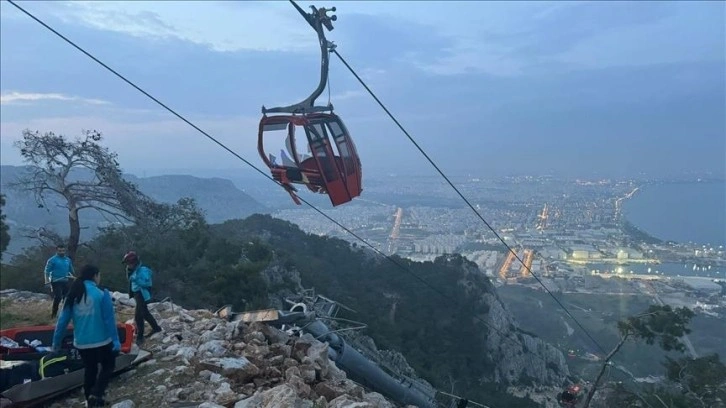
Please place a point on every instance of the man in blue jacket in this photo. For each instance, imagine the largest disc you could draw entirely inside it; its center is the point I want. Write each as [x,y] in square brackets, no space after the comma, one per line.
[139,288]
[57,271]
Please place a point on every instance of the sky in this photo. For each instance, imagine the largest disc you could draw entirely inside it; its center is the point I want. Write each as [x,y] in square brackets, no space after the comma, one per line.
[577,89]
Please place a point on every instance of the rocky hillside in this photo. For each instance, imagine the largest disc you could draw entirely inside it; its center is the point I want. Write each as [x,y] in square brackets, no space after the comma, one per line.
[203,361]
[466,321]
[519,358]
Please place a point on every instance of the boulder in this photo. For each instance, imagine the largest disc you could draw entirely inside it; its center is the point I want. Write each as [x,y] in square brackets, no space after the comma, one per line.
[281,396]
[238,369]
[334,389]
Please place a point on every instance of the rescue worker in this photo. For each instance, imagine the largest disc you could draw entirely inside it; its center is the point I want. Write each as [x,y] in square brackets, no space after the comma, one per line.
[140,283]
[95,334]
[58,269]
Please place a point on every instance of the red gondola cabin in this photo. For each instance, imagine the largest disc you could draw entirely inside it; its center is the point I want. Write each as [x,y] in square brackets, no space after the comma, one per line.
[328,165]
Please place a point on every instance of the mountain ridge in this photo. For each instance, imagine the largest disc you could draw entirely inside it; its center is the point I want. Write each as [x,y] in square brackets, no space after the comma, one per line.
[219,198]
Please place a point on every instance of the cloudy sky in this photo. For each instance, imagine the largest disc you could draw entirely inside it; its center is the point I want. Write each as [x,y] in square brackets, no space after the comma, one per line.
[577,89]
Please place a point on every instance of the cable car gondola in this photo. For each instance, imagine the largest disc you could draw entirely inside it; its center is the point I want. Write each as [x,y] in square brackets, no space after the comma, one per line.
[569,397]
[330,164]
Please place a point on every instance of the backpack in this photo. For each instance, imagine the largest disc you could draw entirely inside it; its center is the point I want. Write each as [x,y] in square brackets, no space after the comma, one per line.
[59,363]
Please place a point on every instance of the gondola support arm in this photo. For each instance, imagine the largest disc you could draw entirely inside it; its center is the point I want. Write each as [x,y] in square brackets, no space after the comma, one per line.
[317,19]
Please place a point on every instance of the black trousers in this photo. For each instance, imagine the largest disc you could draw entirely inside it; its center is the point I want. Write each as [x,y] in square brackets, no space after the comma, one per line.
[95,382]
[60,290]
[142,314]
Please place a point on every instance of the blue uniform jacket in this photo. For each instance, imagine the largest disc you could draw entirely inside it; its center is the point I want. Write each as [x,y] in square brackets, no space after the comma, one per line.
[58,268]
[94,322]
[140,280]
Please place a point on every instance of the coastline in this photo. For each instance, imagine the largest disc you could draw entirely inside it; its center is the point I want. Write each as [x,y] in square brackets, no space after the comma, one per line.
[633,219]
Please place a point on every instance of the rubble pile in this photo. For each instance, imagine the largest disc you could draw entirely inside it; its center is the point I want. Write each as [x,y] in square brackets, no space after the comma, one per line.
[200,360]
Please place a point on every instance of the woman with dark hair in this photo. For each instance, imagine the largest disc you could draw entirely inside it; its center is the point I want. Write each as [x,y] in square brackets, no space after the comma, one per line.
[94,332]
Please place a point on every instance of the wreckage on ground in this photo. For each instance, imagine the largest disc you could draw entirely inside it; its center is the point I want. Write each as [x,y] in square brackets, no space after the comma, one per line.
[306,315]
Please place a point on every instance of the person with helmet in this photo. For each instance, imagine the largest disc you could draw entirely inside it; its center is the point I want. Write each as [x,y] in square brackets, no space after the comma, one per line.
[139,277]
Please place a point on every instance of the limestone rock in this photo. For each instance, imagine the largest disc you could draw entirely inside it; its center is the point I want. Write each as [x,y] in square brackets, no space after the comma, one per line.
[124,404]
[239,369]
[281,396]
[334,389]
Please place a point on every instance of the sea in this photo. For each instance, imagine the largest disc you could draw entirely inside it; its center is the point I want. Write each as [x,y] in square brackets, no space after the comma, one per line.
[687,212]
[682,212]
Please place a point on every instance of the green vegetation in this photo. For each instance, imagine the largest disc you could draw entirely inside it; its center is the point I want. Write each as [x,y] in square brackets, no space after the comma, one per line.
[438,337]
[245,262]
[14,314]
[4,234]
[537,312]
[661,324]
[206,266]
[702,381]
[691,383]
[638,235]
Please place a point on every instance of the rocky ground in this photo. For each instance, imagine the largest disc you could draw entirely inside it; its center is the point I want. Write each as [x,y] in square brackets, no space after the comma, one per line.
[203,361]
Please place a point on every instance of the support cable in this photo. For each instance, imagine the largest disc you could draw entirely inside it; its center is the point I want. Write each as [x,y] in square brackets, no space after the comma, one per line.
[188,122]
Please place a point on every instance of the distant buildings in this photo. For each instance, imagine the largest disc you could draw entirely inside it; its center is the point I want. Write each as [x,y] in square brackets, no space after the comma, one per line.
[486,260]
[628,253]
[439,244]
[581,252]
[553,253]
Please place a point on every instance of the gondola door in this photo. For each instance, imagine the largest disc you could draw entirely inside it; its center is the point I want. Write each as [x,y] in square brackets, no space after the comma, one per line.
[351,163]
[325,158]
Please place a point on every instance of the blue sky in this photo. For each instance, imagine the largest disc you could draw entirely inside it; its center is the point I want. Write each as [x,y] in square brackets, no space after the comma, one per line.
[569,88]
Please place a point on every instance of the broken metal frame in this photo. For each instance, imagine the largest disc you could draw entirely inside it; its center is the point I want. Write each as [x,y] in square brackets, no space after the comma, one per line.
[321,304]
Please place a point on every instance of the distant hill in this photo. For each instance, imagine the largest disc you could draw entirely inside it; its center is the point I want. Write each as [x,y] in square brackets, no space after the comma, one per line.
[219,198]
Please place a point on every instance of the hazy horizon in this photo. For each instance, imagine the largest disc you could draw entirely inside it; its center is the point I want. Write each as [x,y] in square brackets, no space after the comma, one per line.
[486,88]
[244,172]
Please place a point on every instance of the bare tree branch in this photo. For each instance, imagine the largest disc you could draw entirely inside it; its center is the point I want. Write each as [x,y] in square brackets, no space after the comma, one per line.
[43,235]
[85,175]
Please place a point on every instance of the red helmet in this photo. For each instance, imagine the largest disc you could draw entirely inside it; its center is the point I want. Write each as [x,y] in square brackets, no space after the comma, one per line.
[130,258]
